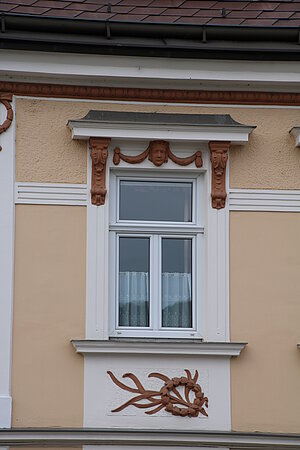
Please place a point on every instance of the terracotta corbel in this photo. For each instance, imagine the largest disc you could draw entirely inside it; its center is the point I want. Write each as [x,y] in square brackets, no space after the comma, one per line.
[5,99]
[218,157]
[99,154]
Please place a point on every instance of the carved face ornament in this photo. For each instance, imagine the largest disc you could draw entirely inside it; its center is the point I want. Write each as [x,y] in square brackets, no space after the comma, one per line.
[158,152]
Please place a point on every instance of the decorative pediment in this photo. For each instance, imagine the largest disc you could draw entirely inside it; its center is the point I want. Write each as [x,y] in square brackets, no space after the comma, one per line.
[219,131]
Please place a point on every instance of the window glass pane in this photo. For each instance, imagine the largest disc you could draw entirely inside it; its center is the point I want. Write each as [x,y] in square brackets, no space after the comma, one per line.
[177,283]
[155,200]
[134,282]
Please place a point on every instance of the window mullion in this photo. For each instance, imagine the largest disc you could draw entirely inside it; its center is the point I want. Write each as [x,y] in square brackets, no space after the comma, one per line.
[159,281]
[154,296]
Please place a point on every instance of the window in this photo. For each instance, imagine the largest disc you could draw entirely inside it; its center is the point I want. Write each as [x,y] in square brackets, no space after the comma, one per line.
[156,240]
[188,154]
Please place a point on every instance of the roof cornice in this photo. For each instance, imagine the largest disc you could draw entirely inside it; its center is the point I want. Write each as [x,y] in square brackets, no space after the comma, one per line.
[29,32]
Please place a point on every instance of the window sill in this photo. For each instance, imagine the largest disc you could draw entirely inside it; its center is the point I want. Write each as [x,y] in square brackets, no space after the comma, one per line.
[144,346]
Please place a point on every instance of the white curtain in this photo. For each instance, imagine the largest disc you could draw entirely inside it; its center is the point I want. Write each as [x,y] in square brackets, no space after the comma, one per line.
[134,299]
[176,300]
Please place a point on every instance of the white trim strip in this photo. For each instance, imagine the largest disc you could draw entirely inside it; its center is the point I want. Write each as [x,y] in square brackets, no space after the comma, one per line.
[7,227]
[78,194]
[159,347]
[51,194]
[264,200]
[166,438]
[97,68]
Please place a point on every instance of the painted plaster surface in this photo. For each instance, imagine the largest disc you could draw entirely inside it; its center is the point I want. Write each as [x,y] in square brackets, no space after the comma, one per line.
[265,312]
[49,310]
[102,395]
[46,153]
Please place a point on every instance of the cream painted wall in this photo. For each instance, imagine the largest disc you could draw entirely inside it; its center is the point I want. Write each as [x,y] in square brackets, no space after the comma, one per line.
[265,312]
[45,151]
[49,310]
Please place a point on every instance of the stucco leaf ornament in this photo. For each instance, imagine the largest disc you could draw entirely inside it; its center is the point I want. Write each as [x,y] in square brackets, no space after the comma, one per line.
[189,404]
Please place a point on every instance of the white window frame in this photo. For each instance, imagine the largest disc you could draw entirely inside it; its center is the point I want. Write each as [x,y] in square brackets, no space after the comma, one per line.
[156,231]
[215,309]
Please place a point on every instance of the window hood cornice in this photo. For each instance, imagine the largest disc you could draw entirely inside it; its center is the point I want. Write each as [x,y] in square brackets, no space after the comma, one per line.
[179,127]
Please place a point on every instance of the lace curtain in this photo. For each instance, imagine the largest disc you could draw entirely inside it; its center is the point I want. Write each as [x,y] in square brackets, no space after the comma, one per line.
[134,299]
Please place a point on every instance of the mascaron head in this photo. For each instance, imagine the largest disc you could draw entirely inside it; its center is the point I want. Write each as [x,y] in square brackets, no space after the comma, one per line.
[158,152]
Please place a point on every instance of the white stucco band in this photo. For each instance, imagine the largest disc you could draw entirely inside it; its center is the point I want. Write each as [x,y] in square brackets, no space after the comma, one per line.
[7,158]
[6,271]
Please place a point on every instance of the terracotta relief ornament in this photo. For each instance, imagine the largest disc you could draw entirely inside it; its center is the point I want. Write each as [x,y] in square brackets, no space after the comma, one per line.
[168,397]
[218,157]
[5,99]
[158,152]
[99,154]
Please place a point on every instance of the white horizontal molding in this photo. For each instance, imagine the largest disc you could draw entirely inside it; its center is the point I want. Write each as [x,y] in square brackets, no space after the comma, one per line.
[171,229]
[264,200]
[159,347]
[98,68]
[51,194]
[132,438]
[5,411]
[192,134]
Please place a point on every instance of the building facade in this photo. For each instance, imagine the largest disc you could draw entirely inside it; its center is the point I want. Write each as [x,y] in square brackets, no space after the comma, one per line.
[149,221]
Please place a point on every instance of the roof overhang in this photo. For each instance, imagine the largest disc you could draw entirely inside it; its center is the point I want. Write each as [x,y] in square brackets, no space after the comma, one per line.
[56,34]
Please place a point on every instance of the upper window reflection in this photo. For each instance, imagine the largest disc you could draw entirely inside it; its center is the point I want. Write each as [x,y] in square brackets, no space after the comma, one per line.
[155,201]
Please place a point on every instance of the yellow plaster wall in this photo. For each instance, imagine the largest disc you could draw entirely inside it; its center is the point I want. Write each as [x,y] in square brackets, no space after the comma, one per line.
[49,310]
[265,312]
[50,271]
[45,151]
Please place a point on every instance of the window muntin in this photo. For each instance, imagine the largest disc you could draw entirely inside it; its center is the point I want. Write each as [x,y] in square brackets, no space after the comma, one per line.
[172,201]
[158,232]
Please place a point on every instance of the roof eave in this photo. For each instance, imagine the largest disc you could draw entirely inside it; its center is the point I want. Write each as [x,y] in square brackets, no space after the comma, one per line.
[29,32]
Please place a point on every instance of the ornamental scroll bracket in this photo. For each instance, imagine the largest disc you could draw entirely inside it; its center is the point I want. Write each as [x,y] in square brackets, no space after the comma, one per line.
[158,152]
[218,157]
[99,154]
[168,397]
[5,100]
